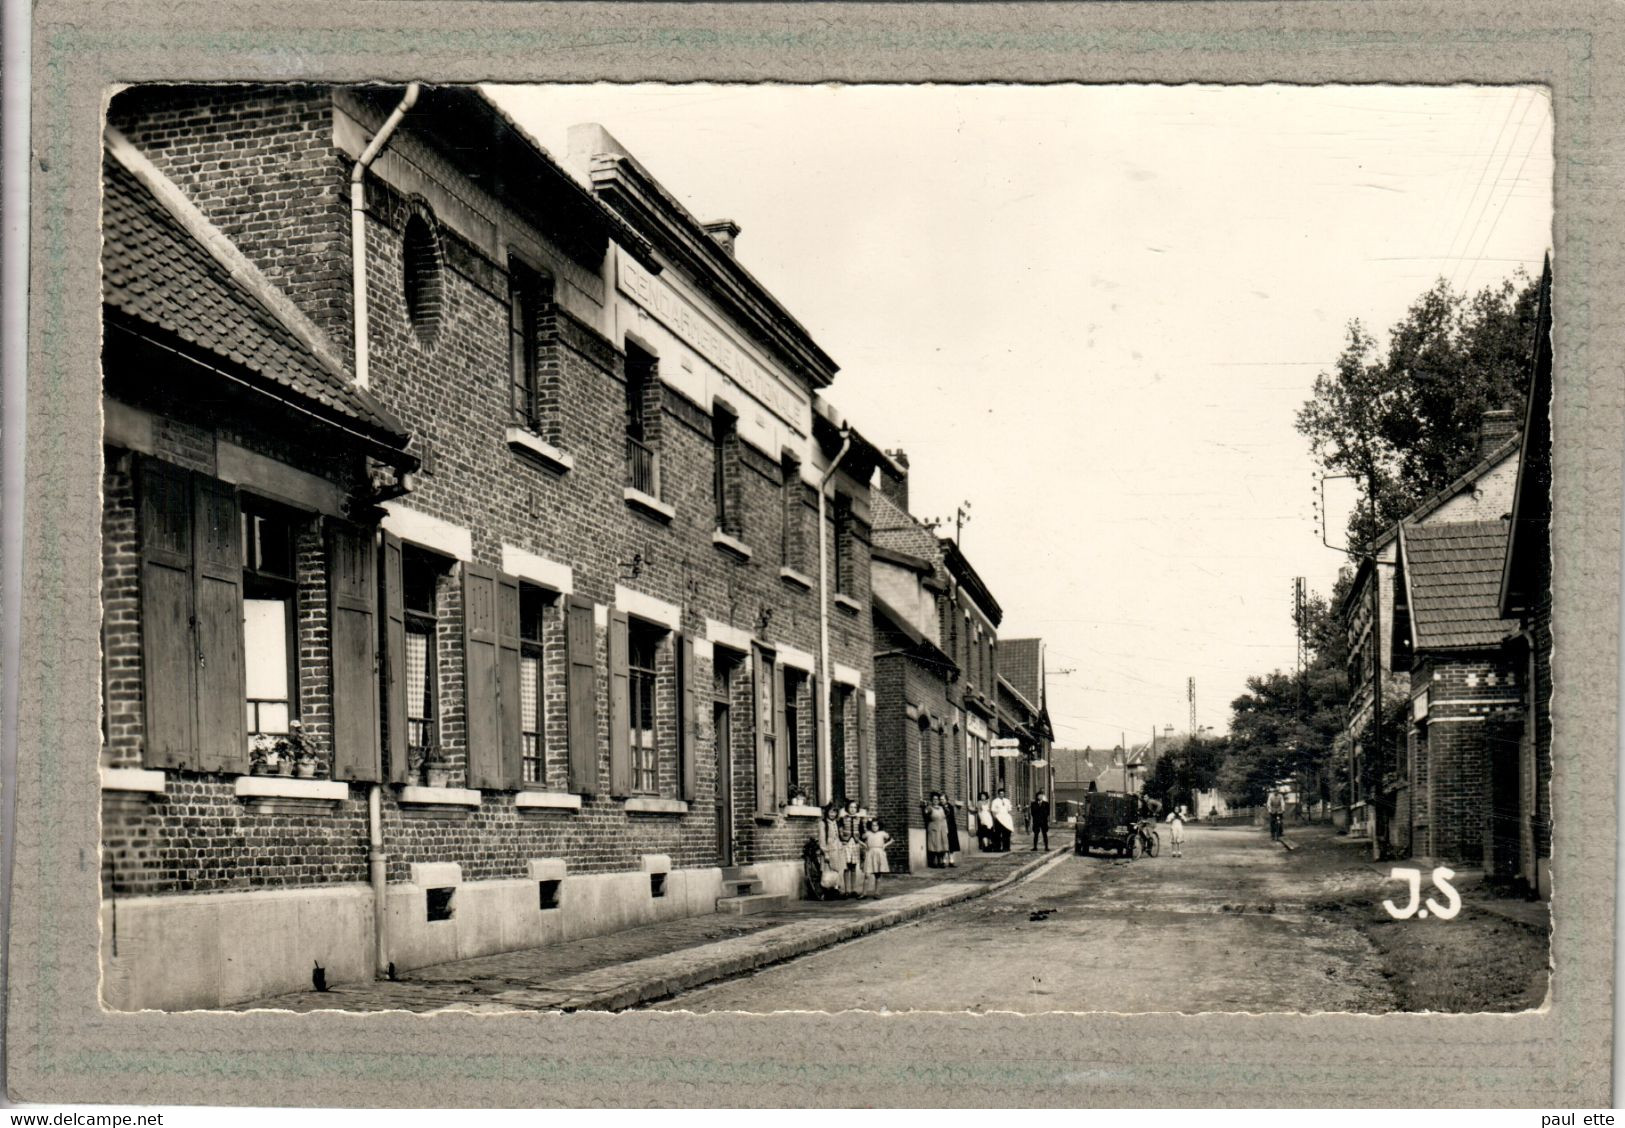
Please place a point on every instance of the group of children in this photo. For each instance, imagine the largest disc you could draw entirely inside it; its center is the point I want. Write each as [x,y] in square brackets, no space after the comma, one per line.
[851,849]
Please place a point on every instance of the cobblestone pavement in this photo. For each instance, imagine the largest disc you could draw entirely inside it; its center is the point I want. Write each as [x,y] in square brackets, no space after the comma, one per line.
[641,964]
[1228,927]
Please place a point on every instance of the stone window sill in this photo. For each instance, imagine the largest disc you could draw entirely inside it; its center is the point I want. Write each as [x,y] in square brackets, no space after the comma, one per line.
[802,811]
[547,800]
[731,545]
[522,440]
[653,506]
[411,796]
[138,780]
[651,805]
[287,787]
[795,579]
[846,603]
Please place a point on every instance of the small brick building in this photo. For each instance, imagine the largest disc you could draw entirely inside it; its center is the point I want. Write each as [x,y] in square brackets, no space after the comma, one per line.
[1466,704]
[542,592]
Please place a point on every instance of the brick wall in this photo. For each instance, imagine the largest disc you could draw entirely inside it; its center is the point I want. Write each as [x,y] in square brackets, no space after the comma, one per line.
[1473,699]
[451,389]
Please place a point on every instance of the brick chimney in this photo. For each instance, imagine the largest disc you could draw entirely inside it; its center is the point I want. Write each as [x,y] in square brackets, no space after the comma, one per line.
[892,485]
[1496,428]
[724,231]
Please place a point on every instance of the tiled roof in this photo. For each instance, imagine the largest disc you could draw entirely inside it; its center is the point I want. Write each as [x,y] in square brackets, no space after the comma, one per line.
[1019,663]
[892,528]
[155,272]
[1453,579]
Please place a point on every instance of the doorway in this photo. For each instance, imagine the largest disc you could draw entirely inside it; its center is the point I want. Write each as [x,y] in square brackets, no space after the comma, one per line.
[721,716]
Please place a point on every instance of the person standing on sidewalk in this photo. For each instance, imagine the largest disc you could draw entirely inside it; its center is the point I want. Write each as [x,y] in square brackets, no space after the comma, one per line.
[875,841]
[1004,822]
[936,830]
[1038,815]
[952,856]
[984,822]
[1275,805]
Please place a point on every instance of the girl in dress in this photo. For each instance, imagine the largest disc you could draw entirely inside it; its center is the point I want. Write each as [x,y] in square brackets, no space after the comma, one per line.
[851,858]
[875,841]
[984,822]
[1176,831]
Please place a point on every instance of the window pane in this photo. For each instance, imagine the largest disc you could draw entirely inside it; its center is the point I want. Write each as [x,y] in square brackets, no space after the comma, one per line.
[265,648]
[273,716]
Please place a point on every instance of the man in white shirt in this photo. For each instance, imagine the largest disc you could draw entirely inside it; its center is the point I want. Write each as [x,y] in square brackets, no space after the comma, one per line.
[1276,806]
[1004,822]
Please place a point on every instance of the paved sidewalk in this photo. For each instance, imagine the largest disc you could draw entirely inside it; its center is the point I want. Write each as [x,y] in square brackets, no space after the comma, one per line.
[640,965]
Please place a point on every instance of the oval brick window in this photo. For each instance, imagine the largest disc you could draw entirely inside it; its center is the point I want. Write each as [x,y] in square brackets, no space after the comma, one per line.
[420,259]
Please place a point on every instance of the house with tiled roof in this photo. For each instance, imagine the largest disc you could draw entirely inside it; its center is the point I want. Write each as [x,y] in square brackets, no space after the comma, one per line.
[1377,803]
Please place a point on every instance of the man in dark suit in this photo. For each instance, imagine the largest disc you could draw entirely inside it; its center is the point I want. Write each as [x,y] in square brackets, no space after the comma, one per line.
[1039,817]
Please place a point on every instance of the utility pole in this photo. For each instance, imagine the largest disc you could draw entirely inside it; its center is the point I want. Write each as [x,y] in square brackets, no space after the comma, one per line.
[1124,737]
[1190,692]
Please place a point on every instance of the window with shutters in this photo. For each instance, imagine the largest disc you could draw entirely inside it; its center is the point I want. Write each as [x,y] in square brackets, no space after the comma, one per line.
[643,648]
[532,701]
[420,580]
[270,598]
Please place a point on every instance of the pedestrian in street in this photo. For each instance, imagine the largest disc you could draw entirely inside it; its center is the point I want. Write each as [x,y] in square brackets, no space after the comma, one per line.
[1004,823]
[1038,816]
[937,825]
[984,822]
[1176,831]
[875,841]
[1275,806]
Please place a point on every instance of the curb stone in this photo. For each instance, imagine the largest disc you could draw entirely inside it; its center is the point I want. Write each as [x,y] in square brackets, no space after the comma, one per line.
[775,945]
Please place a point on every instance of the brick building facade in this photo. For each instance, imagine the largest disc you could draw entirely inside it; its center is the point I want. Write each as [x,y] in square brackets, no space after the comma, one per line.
[561,654]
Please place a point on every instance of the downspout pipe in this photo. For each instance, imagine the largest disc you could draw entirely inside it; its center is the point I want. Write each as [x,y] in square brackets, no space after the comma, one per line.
[826,781]
[358,226]
[377,868]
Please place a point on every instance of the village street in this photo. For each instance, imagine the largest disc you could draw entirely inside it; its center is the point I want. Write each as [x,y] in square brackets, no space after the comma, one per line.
[1226,927]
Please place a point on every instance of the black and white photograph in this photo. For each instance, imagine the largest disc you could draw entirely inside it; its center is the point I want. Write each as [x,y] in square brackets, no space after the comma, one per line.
[835,548]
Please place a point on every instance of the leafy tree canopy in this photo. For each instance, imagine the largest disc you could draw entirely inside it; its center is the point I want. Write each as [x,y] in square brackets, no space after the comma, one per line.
[1405,422]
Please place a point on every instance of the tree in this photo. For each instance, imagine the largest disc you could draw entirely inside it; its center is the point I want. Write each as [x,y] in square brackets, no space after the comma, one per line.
[1193,766]
[1287,726]
[1404,423]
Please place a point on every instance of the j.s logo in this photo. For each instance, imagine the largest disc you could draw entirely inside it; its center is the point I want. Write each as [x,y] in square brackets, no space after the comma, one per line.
[1441,882]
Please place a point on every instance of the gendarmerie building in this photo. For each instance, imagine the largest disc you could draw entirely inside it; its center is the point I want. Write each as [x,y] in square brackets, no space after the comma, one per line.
[481,566]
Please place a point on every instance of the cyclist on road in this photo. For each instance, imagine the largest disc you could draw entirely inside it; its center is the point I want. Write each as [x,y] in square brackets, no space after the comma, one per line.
[1276,806]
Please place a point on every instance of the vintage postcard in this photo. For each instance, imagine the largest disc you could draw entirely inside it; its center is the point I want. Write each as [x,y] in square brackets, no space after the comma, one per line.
[660,555]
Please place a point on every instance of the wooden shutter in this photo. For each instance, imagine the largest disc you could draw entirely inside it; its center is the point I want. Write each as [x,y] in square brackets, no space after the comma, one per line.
[784,743]
[688,721]
[866,792]
[821,767]
[582,693]
[761,711]
[393,630]
[620,708]
[168,650]
[481,707]
[508,693]
[351,593]
[217,591]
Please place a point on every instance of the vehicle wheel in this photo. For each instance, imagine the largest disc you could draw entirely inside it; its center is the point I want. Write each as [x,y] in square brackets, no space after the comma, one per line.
[1134,847]
[1153,844]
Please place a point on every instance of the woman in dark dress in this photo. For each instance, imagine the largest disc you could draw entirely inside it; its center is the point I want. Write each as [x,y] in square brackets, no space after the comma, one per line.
[953,832]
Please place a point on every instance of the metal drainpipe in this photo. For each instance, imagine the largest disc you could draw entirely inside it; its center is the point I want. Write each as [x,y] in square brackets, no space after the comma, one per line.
[376,859]
[358,226]
[828,780]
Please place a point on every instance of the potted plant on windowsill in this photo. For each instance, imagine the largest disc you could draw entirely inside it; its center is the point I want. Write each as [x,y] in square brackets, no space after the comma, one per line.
[301,750]
[436,768]
[263,757]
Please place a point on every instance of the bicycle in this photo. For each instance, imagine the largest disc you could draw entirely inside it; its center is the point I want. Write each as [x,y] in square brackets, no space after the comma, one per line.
[1145,841]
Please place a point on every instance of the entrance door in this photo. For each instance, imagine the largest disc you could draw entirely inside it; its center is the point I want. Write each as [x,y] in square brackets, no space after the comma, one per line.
[720,716]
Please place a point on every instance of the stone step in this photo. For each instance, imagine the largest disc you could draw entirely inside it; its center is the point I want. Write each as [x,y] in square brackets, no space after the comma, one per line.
[741,887]
[752,903]
[731,874]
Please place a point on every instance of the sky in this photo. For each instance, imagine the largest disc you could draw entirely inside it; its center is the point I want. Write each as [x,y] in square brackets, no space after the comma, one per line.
[1092,313]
